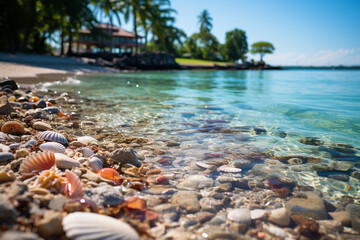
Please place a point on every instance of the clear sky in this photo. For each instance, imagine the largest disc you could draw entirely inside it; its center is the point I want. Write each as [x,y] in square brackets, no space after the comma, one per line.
[304,32]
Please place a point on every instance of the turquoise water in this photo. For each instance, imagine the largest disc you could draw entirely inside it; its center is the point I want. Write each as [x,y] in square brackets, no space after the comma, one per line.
[234,111]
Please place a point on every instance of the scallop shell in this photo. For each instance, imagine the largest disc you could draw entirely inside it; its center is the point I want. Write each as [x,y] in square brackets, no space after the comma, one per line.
[13,128]
[73,187]
[37,162]
[86,140]
[85,225]
[229,169]
[96,164]
[53,147]
[52,136]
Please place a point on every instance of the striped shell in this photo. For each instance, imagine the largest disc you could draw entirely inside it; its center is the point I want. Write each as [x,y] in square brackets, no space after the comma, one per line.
[13,128]
[96,164]
[87,152]
[86,225]
[53,147]
[52,136]
[229,169]
[37,162]
[73,187]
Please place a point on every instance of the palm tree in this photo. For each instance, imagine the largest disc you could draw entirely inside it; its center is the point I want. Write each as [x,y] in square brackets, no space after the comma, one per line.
[205,21]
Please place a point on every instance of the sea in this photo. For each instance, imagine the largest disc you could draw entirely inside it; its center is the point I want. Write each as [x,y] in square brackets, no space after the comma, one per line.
[310,115]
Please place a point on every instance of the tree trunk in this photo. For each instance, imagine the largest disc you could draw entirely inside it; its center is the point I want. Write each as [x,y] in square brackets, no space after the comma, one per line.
[135,31]
[62,34]
[146,35]
[70,51]
[261,57]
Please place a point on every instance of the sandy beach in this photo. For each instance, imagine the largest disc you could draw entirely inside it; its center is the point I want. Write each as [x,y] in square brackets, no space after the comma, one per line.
[33,68]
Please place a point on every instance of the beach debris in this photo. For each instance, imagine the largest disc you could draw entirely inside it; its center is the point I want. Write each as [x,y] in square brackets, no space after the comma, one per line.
[51,179]
[52,136]
[37,162]
[13,128]
[54,147]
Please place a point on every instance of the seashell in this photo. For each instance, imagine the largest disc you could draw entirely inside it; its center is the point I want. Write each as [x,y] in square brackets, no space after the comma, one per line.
[41,126]
[96,164]
[13,128]
[229,169]
[52,136]
[73,187]
[86,140]
[87,152]
[37,162]
[125,155]
[109,173]
[65,162]
[202,165]
[86,225]
[51,179]
[53,147]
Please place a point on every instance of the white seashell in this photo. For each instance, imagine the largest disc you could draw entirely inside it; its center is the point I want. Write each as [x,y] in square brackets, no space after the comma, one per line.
[96,164]
[202,165]
[85,225]
[53,147]
[64,162]
[229,169]
[86,140]
[52,136]
[87,152]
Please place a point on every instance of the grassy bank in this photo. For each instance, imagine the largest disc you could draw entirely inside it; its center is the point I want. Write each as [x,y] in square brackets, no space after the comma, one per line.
[199,62]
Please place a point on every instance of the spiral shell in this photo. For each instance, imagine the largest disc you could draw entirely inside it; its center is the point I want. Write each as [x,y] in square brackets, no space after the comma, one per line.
[37,162]
[52,136]
[85,225]
[53,147]
[73,187]
[13,128]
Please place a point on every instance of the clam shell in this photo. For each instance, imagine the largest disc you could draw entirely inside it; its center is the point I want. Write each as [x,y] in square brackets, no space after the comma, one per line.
[85,225]
[53,147]
[96,164]
[65,162]
[52,136]
[37,162]
[229,169]
[86,140]
[13,128]
[73,187]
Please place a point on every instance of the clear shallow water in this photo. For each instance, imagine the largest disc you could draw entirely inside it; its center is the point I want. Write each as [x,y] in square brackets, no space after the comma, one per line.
[231,110]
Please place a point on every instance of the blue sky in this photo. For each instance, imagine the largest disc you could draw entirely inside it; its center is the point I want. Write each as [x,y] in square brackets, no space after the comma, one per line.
[304,32]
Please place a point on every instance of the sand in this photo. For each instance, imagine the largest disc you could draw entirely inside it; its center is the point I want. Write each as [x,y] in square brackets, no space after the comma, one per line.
[32,68]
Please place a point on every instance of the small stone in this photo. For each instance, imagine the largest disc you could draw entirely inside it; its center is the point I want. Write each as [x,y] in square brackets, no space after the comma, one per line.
[240,215]
[40,104]
[329,226]
[12,235]
[8,213]
[217,220]
[77,144]
[211,204]
[257,214]
[321,167]
[204,216]
[50,225]
[125,155]
[242,163]
[41,126]
[5,107]
[311,141]
[105,195]
[238,227]
[64,162]
[186,200]
[295,161]
[21,153]
[58,203]
[279,217]
[197,182]
[6,176]
[172,143]
[5,158]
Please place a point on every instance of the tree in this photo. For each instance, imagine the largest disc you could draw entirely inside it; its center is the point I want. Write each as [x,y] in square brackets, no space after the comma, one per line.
[262,48]
[205,21]
[235,46]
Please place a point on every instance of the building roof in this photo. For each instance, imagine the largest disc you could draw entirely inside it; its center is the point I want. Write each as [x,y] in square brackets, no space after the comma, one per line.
[116,31]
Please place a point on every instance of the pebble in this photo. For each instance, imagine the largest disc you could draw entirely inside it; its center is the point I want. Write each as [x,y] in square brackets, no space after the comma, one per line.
[240,215]
[312,206]
[279,217]
[5,157]
[211,204]
[242,163]
[257,214]
[204,216]
[65,162]
[218,220]
[186,200]
[57,203]
[21,153]
[16,235]
[105,196]
[5,107]
[6,176]
[50,225]
[8,213]
[41,126]
[125,155]
[197,182]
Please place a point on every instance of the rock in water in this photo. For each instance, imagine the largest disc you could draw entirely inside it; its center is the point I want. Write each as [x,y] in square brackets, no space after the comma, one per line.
[240,215]
[85,225]
[5,107]
[186,200]
[197,182]
[125,155]
[279,217]
[105,196]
